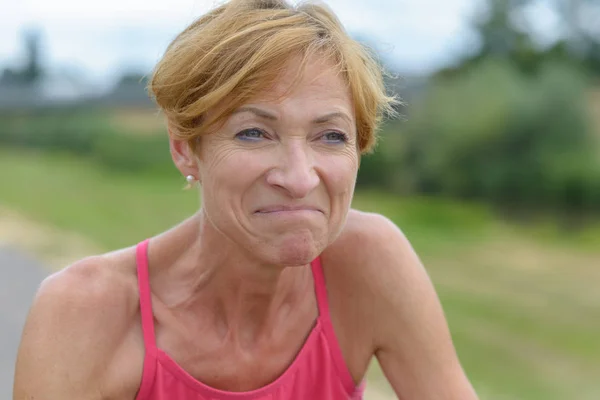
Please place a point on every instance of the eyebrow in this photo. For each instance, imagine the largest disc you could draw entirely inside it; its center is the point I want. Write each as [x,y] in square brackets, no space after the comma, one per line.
[257,111]
[273,117]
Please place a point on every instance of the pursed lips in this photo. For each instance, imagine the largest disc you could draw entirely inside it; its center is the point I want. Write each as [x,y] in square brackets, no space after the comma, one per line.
[286,208]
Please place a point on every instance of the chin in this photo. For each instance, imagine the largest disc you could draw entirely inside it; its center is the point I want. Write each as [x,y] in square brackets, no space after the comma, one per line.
[296,250]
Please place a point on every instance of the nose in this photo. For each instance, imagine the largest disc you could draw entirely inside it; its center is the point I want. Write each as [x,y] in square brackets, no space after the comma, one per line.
[295,173]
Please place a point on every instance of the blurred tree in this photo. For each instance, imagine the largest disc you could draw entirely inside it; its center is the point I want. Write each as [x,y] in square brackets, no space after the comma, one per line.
[9,76]
[500,37]
[33,69]
[132,78]
[505,32]
[582,36]
[496,134]
[129,90]
[497,32]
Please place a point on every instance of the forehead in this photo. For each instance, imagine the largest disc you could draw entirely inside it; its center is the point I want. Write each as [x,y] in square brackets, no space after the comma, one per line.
[317,81]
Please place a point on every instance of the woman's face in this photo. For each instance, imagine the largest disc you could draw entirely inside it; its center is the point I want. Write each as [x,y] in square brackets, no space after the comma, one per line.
[279,175]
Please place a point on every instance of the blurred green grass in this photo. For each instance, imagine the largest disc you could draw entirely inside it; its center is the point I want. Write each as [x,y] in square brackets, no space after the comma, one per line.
[521,301]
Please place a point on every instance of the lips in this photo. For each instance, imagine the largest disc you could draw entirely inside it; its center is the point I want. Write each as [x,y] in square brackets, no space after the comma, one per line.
[284,208]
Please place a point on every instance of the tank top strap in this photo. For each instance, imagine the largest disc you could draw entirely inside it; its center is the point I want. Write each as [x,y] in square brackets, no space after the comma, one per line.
[150,359]
[328,329]
[145,295]
[320,288]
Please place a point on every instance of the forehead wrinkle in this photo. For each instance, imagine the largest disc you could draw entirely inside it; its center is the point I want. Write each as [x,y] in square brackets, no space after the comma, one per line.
[257,111]
[331,116]
[273,116]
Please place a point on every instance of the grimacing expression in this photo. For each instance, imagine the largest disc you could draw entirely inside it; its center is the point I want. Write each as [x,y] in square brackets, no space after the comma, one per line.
[279,175]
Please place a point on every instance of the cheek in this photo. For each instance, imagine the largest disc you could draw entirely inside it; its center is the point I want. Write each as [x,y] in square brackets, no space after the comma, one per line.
[229,169]
[230,177]
[227,174]
[340,173]
[340,179]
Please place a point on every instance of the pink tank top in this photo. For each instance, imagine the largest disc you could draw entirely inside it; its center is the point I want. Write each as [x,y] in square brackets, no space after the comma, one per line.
[318,372]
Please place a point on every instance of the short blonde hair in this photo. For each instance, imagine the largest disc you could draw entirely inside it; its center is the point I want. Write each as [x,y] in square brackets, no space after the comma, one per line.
[236,51]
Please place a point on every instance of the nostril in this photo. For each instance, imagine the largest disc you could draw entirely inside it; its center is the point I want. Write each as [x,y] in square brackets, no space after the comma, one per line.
[297,183]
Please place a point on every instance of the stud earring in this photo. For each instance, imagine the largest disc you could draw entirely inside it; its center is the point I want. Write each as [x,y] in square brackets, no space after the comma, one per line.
[191,181]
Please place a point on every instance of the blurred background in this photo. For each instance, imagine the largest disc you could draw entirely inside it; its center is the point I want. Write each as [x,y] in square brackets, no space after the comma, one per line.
[493,170]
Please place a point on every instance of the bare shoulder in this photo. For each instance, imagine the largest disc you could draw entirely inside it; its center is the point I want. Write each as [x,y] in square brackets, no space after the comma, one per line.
[371,245]
[97,282]
[374,260]
[385,295]
[369,263]
[89,293]
[78,321]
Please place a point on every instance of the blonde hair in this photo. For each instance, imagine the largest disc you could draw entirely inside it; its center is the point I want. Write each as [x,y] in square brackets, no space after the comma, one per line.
[237,50]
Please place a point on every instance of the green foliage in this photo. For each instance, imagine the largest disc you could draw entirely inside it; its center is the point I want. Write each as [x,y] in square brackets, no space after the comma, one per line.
[494,134]
[373,171]
[61,129]
[148,153]
[86,133]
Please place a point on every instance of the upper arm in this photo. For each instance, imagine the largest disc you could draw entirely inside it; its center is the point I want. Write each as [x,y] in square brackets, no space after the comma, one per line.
[411,338]
[61,355]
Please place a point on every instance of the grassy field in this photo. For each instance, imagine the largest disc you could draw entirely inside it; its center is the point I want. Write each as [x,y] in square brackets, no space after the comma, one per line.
[522,302]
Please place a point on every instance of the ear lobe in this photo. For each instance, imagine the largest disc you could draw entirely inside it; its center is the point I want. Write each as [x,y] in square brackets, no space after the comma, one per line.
[183,156]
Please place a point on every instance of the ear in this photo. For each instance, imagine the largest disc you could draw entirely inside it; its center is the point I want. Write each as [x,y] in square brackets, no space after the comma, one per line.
[183,156]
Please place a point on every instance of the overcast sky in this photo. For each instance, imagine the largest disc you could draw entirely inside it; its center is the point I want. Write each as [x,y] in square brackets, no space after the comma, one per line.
[101,37]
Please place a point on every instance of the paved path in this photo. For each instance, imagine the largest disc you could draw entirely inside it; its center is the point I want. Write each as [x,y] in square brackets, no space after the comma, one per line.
[20,276]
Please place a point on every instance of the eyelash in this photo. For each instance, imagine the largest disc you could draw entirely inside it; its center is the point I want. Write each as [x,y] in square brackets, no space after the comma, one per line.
[341,137]
[241,134]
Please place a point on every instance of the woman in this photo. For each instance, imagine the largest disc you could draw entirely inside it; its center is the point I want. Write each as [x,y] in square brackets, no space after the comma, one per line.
[275,289]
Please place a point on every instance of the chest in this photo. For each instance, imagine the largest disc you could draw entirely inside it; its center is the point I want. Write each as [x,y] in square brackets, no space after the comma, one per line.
[208,358]
[231,362]
[199,350]
[228,368]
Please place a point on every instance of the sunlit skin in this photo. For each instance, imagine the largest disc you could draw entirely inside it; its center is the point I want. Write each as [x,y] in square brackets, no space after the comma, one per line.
[278,176]
[277,180]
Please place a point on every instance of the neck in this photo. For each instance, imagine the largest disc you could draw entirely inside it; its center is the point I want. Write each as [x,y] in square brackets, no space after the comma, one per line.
[244,297]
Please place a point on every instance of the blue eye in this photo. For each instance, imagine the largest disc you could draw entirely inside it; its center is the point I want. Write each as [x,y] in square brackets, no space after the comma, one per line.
[335,137]
[252,134]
